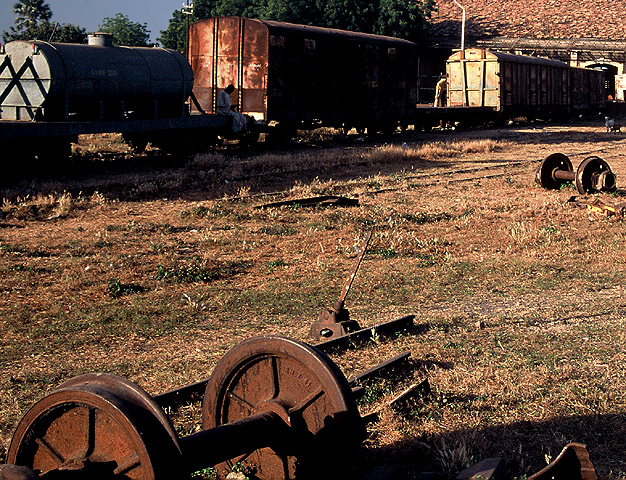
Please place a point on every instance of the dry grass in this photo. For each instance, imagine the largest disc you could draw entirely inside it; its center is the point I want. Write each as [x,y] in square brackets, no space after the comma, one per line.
[519,296]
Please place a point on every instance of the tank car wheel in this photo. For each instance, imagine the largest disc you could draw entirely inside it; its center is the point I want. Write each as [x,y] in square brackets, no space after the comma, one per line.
[587,169]
[53,152]
[544,173]
[299,383]
[136,141]
[97,426]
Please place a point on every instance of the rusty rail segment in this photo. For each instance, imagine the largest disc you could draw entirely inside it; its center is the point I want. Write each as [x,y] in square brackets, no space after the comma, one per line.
[324,200]
[354,338]
[380,369]
[194,392]
[398,402]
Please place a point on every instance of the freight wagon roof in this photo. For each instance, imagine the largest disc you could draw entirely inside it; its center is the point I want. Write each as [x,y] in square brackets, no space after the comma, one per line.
[597,19]
[310,30]
[474,54]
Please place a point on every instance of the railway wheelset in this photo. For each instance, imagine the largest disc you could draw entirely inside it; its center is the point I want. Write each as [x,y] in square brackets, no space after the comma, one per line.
[273,407]
[280,406]
[593,175]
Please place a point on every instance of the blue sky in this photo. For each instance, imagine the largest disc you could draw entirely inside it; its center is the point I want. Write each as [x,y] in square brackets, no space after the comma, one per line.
[89,13]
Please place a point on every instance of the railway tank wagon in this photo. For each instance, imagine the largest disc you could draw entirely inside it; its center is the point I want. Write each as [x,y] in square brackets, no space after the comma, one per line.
[60,81]
[519,85]
[52,92]
[300,76]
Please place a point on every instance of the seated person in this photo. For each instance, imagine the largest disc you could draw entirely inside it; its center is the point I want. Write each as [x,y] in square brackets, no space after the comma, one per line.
[224,107]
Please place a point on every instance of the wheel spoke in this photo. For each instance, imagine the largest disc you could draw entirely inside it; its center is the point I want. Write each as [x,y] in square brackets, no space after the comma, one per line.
[308,401]
[91,433]
[275,377]
[241,401]
[127,464]
[45,444]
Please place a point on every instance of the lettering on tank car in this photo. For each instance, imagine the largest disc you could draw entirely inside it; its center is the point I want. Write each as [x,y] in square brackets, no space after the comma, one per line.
[255,66]
[104,73]
[87,84]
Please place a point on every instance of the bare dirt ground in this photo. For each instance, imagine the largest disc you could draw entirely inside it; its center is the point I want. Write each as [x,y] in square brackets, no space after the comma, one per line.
[152,267]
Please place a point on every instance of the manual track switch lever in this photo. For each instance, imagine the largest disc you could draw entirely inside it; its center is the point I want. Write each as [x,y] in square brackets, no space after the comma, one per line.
[335,321]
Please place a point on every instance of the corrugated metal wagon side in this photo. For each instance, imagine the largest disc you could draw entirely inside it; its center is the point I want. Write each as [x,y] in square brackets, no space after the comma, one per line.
[301,76]
[510,84]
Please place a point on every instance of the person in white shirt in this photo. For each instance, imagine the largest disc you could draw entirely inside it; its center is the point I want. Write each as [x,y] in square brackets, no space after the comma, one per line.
[440,92]
[224,107]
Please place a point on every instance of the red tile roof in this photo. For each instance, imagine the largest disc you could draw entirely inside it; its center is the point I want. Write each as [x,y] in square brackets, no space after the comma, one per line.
[546,19]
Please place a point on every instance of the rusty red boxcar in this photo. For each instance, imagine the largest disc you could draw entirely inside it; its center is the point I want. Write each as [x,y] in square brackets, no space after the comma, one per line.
[301,76]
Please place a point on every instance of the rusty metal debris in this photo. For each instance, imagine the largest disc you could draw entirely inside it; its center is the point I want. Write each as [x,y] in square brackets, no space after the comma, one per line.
[593,174]
[416,390]
[595,205]
[355,338]
[573,463]
[322,201]
[381,368]
[272,401]
[271,404]
[335,321]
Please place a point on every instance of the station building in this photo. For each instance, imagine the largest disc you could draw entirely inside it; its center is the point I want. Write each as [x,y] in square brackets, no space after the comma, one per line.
[582,33]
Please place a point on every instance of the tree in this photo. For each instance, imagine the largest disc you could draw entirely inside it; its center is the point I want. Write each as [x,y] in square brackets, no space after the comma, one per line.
[403,18]
[125,31]
[49,32]
[32,22]
[30,13]
[397,18]
[174,36]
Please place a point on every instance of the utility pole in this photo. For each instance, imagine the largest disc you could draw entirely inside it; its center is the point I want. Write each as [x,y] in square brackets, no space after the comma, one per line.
[462,25]
[188,11]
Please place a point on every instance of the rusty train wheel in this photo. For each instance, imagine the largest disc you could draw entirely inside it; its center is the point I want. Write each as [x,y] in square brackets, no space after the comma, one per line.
[97,426]
[302,385]
[586,170]
[544,174]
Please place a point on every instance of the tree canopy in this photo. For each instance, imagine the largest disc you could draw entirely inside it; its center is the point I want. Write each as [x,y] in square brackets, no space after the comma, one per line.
[30,12]
[32,22]
[398,18]
[125,31]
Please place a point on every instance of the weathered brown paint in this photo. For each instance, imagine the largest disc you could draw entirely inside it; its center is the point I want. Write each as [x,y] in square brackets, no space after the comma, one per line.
[301,75]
